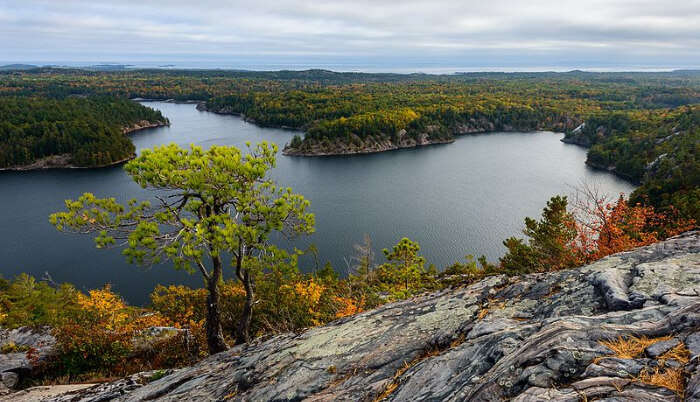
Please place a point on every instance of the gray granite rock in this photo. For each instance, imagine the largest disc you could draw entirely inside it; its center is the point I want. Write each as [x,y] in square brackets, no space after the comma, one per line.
[539,340]
[15,366]
[661,347]
[692,342]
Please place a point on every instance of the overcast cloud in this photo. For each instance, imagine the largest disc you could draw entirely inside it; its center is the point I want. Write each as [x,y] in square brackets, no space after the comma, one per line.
[598,33]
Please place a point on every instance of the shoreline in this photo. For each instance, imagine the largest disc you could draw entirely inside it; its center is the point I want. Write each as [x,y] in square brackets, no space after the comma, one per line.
[47,163]
[455,135]
[201,106]
[169,100]
[609,169]
[367,151]
[144,125]
[63,161]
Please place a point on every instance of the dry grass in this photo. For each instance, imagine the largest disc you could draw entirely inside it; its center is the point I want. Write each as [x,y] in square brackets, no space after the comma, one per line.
[387,391]
[667,377]
[458,341]
[661,376]
[395,380]
[631,347]
[491,304]
[679,353]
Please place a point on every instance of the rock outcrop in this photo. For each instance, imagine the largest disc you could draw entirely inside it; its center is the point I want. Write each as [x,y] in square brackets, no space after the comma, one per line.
[15,364]
[534,337]
[144,124]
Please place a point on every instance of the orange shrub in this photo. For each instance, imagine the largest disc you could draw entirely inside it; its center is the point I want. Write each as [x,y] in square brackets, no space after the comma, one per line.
[609,228]
[348,306]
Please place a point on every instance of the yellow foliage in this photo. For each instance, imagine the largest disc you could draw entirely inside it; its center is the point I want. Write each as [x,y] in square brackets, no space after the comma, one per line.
[309,290]
[108,308]
[180,303]
[112,314]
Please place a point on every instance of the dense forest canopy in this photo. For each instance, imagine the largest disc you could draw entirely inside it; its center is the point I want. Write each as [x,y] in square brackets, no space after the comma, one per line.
[642,126]
[89,130]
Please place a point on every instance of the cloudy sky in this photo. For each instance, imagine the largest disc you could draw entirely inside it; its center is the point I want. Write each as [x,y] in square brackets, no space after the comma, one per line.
[603,34]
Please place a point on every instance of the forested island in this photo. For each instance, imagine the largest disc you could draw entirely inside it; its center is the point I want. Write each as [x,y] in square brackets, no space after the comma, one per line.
[39,133]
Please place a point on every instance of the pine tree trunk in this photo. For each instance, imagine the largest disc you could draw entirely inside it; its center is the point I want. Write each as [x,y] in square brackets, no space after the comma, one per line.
[243,331]
[215,336]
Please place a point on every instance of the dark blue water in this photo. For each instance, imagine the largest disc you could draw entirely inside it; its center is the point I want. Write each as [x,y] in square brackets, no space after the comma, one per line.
[456,199]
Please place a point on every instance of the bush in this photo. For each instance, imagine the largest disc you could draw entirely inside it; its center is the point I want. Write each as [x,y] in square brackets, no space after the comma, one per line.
[25,301]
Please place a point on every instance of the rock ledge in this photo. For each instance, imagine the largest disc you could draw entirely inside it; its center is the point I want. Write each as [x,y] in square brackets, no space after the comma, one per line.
[535,337]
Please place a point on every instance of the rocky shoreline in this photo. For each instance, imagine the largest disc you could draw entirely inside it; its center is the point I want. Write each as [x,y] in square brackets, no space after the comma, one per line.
[144,125]
[202,107]
[186,102]
[612,170]
[374,144]
[369,147]
[62,161]
[546,336]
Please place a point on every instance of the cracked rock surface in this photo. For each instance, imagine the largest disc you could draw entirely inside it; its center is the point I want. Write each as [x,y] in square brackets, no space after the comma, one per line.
[534,337]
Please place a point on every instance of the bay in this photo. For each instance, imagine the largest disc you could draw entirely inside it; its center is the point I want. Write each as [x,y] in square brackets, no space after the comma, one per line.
[454,199]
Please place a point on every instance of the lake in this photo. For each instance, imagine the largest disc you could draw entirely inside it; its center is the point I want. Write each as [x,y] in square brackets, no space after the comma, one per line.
[454,199]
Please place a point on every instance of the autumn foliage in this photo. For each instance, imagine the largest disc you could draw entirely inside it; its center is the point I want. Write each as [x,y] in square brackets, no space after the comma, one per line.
[619,226]
[595,228]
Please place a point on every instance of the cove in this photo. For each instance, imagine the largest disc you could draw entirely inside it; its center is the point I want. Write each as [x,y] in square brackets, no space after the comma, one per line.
[454,199]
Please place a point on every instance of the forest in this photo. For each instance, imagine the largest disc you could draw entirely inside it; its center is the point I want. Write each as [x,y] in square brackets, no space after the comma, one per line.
[645,127]
[641,126]
[91,130]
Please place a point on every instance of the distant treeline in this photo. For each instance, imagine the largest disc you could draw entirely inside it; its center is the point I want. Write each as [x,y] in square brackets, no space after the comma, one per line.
[90,130]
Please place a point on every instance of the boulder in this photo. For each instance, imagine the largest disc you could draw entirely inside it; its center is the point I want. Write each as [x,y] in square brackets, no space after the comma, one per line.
[15,364]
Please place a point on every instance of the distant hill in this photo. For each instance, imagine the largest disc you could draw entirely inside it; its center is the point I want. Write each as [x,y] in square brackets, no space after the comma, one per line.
[17,67]
[107,67]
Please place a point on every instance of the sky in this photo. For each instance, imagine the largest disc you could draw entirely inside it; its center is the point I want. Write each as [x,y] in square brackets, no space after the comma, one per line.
[463,35]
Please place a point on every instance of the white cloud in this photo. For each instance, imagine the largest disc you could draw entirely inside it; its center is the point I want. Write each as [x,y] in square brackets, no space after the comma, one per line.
[443,31]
